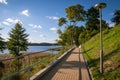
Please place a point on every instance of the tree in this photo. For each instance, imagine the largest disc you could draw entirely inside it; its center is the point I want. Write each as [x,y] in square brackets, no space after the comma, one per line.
[82,37]
[93,23]
[62,21]
[59,31]
[92,13]
[2,47]
[74,14]
[18,40]
[2,44]
[65,37]
[77,31]
[92,19]
[116,18]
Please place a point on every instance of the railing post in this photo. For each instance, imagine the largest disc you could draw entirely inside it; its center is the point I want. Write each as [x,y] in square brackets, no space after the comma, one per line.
[28,61]
[52,54]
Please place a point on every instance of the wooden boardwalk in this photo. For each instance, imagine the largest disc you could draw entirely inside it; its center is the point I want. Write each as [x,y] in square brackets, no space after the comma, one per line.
[72,67]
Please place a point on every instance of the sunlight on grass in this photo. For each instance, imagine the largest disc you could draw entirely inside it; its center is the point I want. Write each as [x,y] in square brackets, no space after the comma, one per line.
[111,49]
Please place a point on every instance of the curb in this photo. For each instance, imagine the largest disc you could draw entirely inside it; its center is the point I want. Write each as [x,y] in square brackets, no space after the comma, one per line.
[46,69]
[88,69]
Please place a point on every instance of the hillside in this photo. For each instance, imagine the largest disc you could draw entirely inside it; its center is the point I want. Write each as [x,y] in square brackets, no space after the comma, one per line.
[111,51]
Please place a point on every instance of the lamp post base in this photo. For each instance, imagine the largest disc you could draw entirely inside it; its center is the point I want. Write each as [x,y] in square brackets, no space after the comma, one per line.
[101,61]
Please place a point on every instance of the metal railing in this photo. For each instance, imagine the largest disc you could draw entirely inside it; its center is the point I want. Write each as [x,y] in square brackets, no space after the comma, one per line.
[27,64]
[9,70]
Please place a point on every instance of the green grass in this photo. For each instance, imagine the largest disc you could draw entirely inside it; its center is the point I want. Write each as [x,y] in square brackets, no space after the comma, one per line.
[111,51]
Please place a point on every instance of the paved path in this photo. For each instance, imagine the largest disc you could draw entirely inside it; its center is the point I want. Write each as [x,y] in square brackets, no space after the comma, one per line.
[72,67]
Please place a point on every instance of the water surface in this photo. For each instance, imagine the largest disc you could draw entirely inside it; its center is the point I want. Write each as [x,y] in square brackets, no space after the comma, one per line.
[35,49]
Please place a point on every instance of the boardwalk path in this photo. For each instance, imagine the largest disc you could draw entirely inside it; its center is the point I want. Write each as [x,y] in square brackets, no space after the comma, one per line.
[72,67]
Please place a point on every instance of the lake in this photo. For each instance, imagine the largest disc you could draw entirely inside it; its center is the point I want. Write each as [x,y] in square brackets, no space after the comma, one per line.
[35,49]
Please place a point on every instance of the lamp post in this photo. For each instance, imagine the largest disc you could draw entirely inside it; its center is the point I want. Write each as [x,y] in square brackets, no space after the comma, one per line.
[100,6]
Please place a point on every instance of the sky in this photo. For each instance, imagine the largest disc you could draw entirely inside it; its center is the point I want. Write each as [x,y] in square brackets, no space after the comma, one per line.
[40,17]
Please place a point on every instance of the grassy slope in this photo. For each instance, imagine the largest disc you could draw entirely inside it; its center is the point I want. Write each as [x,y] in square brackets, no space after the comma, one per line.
[111,49]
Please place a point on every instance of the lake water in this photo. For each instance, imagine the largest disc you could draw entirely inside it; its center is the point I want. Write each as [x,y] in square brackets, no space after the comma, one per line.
[36,49]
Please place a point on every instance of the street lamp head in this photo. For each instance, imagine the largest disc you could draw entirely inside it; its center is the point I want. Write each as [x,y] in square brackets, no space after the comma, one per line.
[100,5]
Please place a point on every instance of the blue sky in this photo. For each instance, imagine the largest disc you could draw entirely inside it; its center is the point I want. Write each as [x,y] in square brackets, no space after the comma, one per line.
[40,17]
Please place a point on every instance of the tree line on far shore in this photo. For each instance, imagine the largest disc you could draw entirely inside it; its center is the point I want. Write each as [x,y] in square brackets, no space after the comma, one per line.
[75,34]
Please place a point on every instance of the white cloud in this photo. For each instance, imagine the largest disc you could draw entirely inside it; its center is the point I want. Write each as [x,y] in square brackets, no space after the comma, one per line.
[10,21]
[3,2]
[25,12]
[111,14]
[53,29]
[35,31]
[35,26]
[6,23]
[111,24]
[52,17]
[0,23]
[43,37]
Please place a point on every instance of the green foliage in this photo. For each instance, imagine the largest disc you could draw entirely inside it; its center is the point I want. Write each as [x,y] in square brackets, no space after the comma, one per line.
[2,44]
[65,37]
[18,40]
[62,21]
[82,37]
[14,77]
[59,31]
[16,64]
[92,24]
[116,18]
[92,13]
[75,13]
[111,50]
[2,47]
[71,33]
[92,19]
[76,32]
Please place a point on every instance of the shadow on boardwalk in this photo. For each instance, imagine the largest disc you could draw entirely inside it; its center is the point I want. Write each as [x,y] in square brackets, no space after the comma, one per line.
[54,69]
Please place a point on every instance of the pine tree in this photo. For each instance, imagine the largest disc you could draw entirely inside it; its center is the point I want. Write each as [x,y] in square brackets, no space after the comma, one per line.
[116,18]
[2,44]
[2,47]
[18,40]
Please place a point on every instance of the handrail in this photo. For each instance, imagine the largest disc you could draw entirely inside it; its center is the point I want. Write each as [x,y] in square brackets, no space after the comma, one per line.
[28,67]
[22,56]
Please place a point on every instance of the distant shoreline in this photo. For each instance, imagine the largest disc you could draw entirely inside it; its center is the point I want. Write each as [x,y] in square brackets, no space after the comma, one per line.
[43,44]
